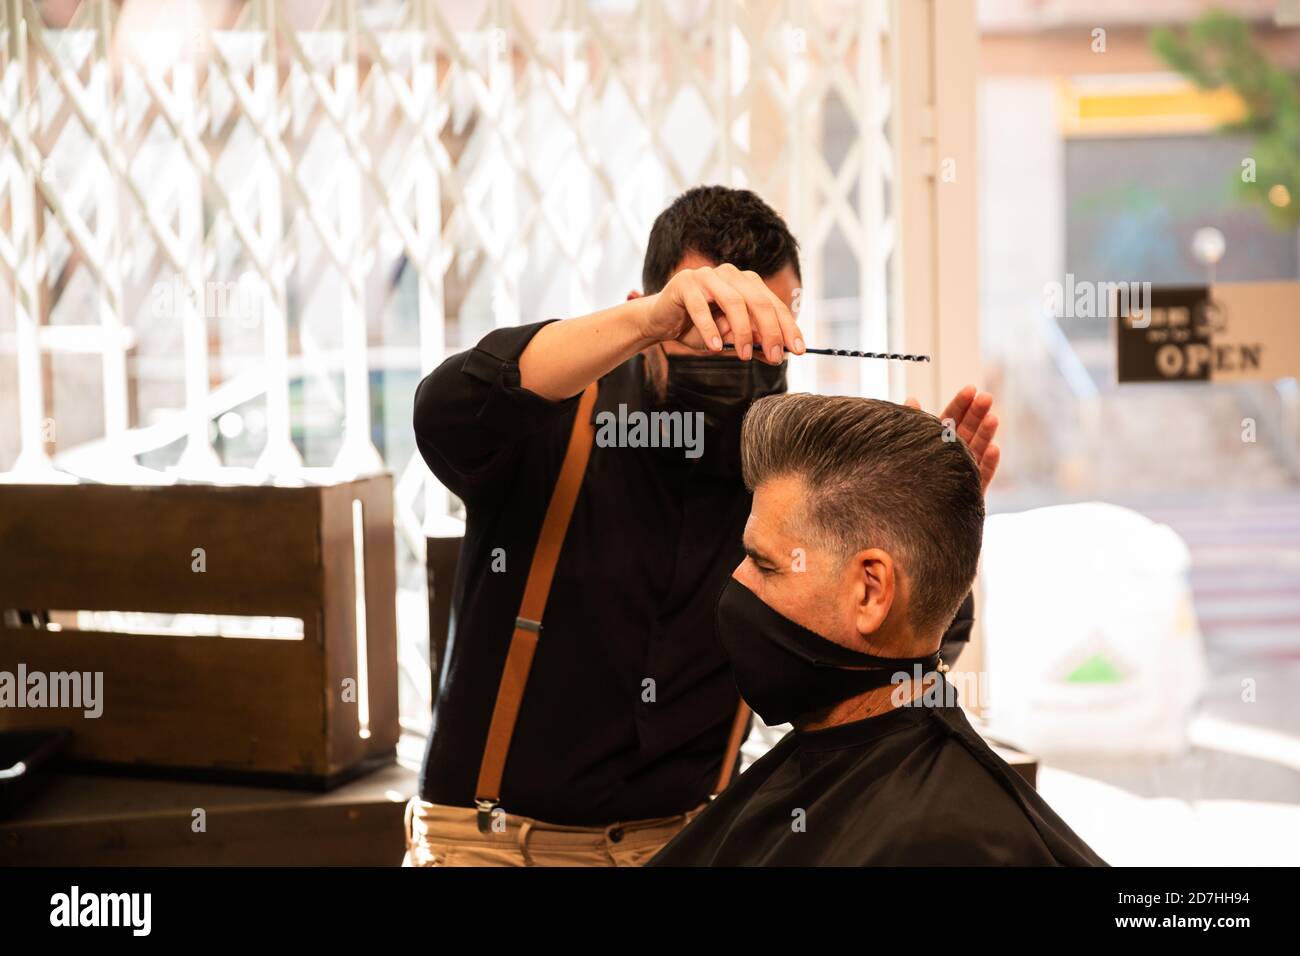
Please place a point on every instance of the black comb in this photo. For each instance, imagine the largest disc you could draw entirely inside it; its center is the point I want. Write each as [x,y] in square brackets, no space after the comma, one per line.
[854,353]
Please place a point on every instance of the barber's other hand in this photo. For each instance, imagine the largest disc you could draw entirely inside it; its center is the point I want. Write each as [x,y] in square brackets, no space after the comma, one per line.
[970,411]
[706,307]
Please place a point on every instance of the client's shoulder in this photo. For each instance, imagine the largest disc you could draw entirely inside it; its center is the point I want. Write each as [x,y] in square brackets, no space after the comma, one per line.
[967,806]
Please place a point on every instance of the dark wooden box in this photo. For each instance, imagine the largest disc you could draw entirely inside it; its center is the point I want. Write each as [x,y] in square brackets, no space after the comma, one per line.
[246,708]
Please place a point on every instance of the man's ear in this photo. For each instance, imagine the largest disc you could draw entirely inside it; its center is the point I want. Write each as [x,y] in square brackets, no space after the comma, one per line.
[634,294]
[876,587]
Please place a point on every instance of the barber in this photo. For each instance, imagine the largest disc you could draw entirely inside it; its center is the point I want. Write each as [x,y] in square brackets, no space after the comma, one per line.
[592,733]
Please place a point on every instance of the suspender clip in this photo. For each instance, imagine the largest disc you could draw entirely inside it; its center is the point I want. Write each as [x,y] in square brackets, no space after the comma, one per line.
[485,808]
[528,624]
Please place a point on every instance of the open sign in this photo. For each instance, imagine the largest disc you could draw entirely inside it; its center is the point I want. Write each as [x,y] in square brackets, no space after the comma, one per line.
[1239,331]
[1195,359]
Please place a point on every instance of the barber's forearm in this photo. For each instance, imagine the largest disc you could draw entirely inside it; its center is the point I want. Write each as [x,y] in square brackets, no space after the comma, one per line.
[565,357]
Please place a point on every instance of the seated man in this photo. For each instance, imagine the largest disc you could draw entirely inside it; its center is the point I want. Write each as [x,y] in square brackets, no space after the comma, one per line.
[862,540]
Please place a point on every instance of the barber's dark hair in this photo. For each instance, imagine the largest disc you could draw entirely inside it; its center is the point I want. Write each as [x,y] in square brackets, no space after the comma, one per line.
[722,225]
[879,475]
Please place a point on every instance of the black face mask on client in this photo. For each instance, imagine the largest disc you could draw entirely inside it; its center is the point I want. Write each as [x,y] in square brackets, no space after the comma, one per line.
[783,670]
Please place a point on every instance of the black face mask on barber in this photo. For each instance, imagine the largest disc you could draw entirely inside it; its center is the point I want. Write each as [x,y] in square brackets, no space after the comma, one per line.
[784,671]
[720,390]
[719,386]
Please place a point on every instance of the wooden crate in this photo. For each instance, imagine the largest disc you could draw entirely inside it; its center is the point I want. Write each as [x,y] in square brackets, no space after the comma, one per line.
[227,707]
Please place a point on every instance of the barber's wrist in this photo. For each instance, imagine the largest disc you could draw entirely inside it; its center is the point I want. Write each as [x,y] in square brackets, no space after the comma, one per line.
[637,315]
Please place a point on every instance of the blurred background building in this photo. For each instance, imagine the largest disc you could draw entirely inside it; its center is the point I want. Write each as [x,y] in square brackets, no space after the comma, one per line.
[1100,158]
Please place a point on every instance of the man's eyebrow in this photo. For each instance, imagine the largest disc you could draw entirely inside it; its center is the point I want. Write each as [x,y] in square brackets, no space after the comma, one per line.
[756,554]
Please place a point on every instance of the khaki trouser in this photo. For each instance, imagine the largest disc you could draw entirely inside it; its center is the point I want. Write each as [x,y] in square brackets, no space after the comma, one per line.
[438,835]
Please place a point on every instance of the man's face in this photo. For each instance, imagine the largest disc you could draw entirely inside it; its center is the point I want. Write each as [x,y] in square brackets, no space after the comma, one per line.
[792,573]
[784,284]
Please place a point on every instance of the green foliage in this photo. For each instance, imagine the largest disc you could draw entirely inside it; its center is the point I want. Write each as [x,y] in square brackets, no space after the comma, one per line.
[1217,51]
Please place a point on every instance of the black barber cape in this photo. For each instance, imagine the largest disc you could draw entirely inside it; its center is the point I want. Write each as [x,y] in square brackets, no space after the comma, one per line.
[913,787]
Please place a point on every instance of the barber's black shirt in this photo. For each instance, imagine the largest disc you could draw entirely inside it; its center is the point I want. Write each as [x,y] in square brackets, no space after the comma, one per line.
[630,699]
[913,787]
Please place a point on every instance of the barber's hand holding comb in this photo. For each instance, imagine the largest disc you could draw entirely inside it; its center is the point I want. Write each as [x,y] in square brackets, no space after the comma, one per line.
[708,307]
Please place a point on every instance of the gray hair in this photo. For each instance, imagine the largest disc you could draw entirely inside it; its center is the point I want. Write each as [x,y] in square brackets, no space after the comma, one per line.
[878,475]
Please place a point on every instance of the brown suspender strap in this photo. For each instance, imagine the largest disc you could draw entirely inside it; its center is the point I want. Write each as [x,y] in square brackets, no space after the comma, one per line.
[528,625]
[733,748]
[519,659]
